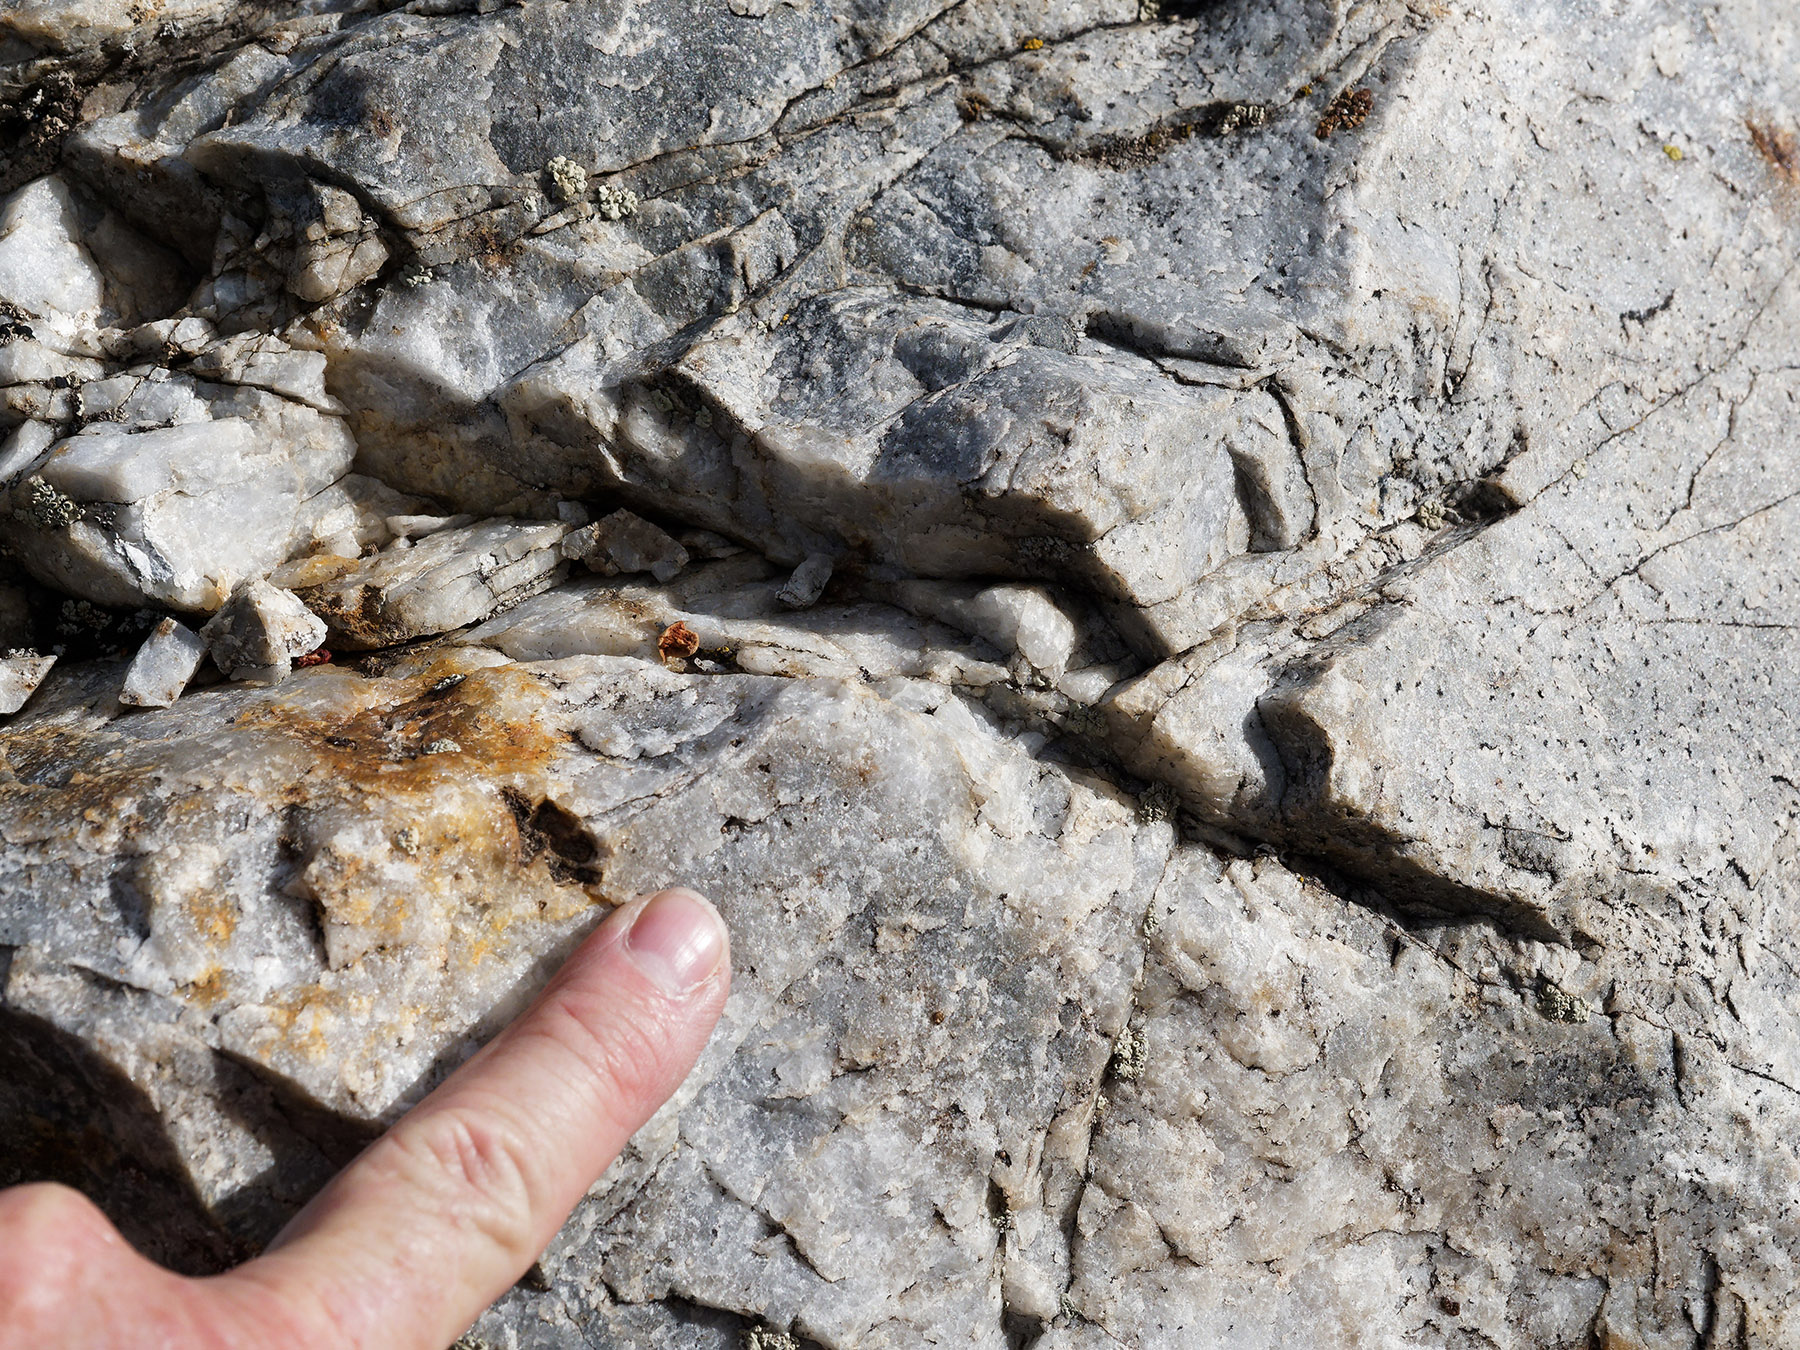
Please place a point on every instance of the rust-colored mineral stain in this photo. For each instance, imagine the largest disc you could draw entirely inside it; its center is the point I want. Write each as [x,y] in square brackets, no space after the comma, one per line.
[480,852]
[677,642]
[42,756]
[1778,146]
[381,745]
[208,991]
[213,914]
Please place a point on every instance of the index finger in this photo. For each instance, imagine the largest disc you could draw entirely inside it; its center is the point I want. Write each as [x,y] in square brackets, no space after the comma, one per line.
[443,1213]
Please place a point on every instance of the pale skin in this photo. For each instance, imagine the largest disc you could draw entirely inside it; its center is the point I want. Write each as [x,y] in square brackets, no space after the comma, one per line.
[439,1216]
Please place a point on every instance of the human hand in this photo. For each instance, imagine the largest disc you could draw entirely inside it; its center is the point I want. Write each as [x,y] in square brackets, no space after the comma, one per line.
[440,1215]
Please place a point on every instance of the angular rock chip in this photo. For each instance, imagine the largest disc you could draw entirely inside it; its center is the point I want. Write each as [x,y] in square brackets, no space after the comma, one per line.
[623,542]
[202,487]
[803,589]
[260,632]
[163,665]
[21,672]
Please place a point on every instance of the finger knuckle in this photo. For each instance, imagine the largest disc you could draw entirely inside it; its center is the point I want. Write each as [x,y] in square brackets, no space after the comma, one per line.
[623,1060]
[48,1216]
[484,1172]
[49,1234]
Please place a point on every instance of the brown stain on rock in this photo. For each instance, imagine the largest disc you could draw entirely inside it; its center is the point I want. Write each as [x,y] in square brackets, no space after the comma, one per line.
[446,851]
[380,745]
[460,768]
[1779,148]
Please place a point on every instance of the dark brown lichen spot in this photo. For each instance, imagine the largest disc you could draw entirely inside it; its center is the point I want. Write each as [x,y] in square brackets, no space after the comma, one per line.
[1146,148]
[1348,111]
[487,246]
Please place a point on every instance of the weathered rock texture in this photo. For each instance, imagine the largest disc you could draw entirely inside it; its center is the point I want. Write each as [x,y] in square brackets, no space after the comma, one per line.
[1211,586]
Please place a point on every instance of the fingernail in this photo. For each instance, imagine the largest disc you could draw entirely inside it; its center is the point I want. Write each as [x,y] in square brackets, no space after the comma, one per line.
[677,940]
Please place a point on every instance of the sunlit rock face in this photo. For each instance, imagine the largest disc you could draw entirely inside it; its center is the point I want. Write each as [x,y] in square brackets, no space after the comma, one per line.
[1210,587]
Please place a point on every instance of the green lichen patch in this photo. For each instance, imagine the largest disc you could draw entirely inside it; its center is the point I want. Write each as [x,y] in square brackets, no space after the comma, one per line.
[1556,1006]
[568,181]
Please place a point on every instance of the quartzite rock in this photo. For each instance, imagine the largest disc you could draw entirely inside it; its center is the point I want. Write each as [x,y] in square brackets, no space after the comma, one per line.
[450,578]
[807,583]
[260,632]
[163,666]
[1281,828]
[21,673]
[624,542]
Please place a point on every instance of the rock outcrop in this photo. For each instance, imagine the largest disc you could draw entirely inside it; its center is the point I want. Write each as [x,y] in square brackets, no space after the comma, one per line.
[1210,586]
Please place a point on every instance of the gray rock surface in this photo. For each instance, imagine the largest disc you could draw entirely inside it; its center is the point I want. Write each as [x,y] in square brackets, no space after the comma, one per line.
[1281,828]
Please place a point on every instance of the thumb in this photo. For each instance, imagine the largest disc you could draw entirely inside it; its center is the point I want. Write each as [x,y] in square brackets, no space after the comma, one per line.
[438,1217]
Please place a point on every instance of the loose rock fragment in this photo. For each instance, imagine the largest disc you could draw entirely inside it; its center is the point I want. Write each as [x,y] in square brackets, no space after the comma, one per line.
[21,672]
[196,489]
[807,584]
[260,631]
[163,666]
[624,542]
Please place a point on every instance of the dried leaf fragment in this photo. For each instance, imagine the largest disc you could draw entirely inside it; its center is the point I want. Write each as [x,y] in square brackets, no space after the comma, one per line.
[677,642]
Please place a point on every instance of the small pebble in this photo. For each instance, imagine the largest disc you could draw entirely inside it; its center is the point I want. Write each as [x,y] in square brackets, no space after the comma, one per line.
[804,588]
